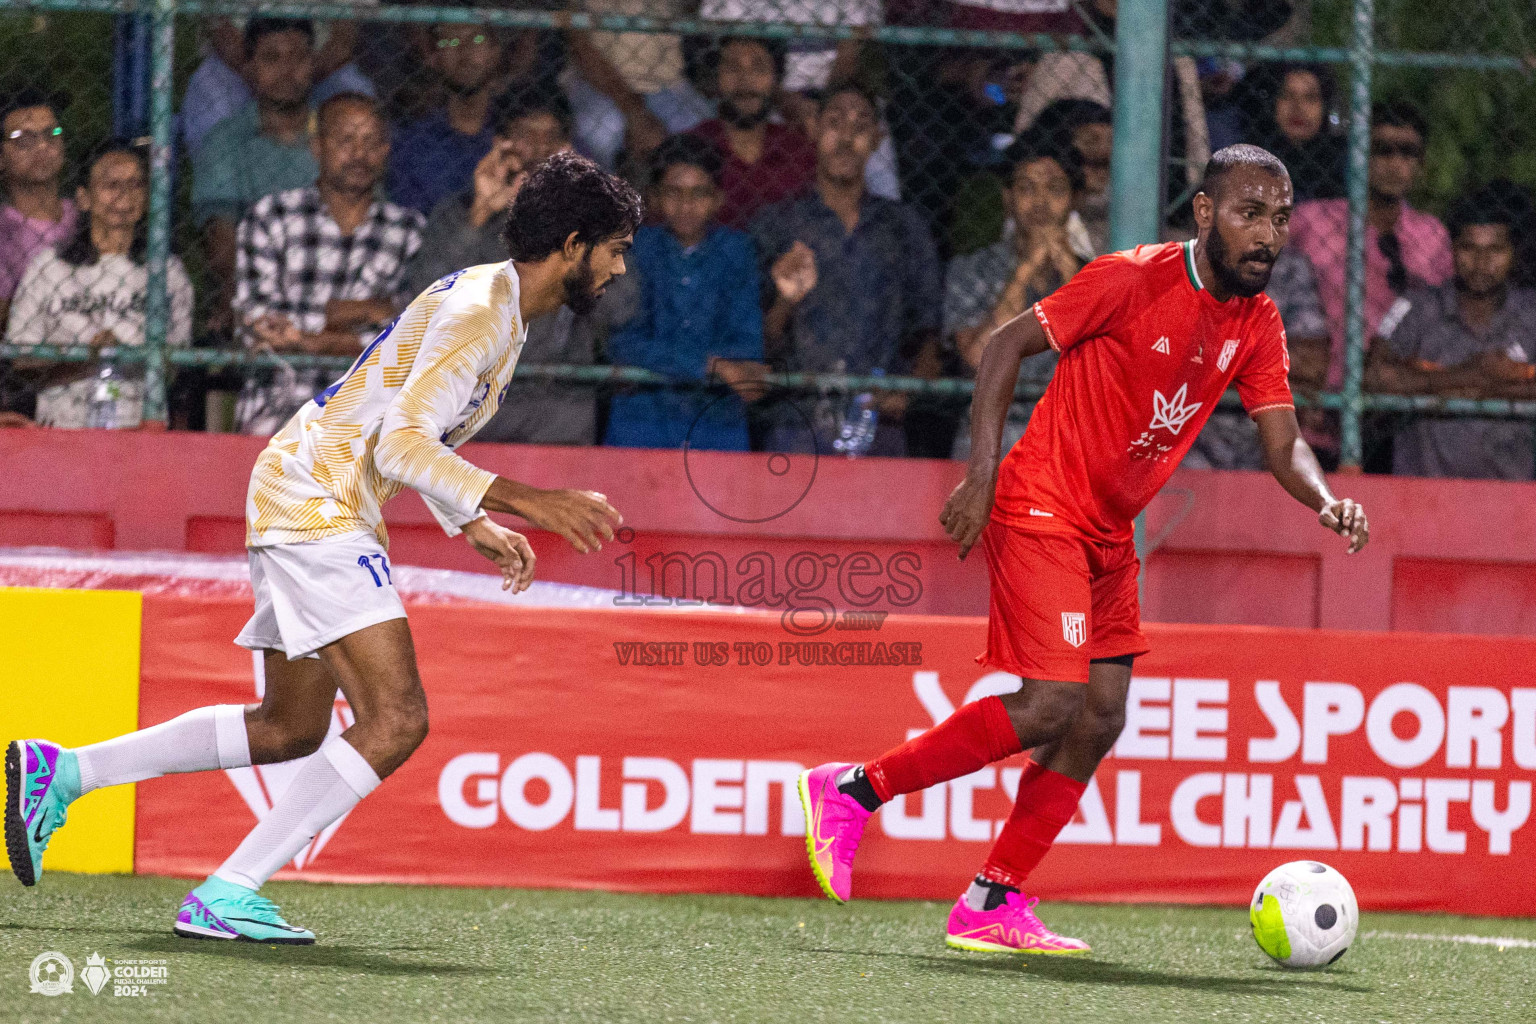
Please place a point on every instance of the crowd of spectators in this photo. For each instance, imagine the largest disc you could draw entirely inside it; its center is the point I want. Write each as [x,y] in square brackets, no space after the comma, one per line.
[848,209]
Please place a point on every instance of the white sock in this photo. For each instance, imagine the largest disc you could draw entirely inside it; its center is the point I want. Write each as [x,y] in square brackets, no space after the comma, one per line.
[330,784]
[198,741]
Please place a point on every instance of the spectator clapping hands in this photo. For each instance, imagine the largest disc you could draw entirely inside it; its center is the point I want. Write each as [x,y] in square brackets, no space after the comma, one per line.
[1048,247]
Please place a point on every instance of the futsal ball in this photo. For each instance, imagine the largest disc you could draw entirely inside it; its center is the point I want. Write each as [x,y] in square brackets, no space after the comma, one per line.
[1304,914]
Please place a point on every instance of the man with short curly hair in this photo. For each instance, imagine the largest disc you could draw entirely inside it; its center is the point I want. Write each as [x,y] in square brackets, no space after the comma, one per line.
[327,613]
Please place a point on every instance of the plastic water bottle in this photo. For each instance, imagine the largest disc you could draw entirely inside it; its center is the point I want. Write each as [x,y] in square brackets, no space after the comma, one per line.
[827,417]
[860,420]
[101,413]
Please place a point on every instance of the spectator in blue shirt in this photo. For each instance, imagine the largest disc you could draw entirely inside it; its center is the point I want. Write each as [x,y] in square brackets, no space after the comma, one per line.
[697,316]
[855,284]
[435,156]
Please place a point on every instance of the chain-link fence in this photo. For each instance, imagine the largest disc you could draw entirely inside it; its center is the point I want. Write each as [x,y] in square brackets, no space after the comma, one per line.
[845,194]
[1408,134]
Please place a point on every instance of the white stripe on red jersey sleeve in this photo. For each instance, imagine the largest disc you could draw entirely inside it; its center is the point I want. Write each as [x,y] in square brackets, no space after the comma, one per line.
[1085,306]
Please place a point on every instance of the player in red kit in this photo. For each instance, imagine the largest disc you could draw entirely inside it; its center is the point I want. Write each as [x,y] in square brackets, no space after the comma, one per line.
[1149,340]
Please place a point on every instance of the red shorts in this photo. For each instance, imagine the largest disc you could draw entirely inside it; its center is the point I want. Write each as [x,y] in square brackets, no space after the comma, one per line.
[1059,601]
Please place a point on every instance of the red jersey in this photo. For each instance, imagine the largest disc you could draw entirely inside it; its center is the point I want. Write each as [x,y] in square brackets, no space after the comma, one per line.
[1146,353]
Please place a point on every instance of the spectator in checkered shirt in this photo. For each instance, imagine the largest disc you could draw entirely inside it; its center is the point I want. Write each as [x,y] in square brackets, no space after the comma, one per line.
[322,269]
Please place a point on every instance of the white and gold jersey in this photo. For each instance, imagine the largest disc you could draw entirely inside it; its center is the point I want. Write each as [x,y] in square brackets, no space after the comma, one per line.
[423,387]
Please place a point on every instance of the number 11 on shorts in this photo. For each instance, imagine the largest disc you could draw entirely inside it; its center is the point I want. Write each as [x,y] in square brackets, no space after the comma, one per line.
[363,560]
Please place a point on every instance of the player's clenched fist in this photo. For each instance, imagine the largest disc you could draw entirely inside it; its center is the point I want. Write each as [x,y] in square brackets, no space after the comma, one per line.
[1346,519]
[507,548]
[584,518]
[966,512]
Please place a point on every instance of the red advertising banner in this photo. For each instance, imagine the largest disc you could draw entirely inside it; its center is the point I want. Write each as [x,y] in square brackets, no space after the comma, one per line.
[656,750]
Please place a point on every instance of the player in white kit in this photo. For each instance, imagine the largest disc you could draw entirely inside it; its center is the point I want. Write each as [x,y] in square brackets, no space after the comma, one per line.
[327,613]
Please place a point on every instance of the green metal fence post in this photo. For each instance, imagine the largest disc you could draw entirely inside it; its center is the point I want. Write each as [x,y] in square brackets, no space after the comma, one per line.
[1135,178]
[157,305]
[1141,58]
[1361,55]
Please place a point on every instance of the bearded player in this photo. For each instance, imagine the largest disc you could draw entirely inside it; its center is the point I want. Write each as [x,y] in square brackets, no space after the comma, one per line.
[327,613]
[1149,340]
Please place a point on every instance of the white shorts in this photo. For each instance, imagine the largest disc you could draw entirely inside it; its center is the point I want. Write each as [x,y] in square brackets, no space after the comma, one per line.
[310,594]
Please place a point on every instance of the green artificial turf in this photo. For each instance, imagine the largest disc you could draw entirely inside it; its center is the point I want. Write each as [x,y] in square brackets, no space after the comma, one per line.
[412,954]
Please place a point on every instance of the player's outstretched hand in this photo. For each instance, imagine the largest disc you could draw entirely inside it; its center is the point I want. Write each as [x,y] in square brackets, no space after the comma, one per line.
[966,512]
[584,518]
[1346,519]
[507,548]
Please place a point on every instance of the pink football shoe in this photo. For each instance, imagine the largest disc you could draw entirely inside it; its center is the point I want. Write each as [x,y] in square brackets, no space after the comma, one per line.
[834,824]
[1010,928]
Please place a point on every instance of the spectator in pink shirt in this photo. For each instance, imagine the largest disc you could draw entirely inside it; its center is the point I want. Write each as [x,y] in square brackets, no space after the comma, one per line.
[1404,247]
[34,216]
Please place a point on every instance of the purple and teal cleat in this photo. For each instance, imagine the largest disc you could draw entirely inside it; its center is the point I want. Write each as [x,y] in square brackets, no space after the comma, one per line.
[834,824]
[41,780]
[1010,928]
[223,910]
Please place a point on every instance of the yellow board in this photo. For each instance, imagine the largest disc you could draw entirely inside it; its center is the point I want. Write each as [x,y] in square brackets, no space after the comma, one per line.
[69,672]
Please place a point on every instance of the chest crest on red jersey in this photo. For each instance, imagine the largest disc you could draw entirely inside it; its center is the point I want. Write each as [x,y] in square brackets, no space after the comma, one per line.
[1228,350]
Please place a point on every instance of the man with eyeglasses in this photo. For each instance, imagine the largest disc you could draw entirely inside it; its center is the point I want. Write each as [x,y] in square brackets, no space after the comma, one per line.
[436,154]
[35,215]
[1404,247]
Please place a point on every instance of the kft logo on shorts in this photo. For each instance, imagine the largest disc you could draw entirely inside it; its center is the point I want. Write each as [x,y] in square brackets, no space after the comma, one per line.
[1074,628]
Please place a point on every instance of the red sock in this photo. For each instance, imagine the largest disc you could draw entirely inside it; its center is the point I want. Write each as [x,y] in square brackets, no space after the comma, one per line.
[970,739]
[1046,802]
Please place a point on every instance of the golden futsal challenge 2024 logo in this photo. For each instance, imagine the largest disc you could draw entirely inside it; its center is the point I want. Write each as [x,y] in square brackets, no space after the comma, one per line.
[53,974]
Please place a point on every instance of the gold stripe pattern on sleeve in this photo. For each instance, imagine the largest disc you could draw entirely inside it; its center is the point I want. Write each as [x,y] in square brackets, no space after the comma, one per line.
[320,475]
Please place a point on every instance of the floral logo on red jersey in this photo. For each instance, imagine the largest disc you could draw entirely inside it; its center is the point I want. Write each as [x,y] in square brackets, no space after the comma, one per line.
[1172,413]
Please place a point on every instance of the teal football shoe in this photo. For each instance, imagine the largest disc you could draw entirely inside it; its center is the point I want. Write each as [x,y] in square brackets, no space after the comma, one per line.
[41,780]
[223,910]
